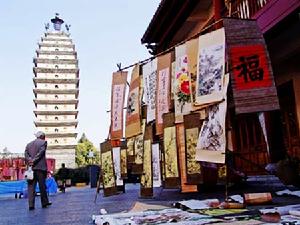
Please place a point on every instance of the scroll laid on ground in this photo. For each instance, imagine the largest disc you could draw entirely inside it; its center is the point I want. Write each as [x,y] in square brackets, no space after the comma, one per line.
[211,67]
[182,91]
[172,179]
[211,143]
[185,188]
[192,124]
[163,89]
[146,178]
[117,165]
[149,77]
[117,103]
[133,120]
[156,165]
[192,57]
[130,150]
[109,182]
[123,160]
[251,72]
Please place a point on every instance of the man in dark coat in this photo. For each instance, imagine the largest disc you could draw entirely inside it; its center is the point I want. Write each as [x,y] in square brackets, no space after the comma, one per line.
[35,156]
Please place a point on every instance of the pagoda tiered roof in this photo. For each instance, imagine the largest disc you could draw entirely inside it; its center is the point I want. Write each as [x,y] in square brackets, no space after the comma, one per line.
[56,91]
[61,135]
[56,101]
[56,80]
[58,146]
[55,112]
[54,70]
[44,52]
[56,123]
[56,61]
[41,44]
[56,39]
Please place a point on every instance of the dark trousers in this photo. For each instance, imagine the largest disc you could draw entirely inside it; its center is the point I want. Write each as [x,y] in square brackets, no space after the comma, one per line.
[40,177]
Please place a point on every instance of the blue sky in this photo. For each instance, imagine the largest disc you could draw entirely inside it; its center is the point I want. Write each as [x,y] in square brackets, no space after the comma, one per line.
[104,32]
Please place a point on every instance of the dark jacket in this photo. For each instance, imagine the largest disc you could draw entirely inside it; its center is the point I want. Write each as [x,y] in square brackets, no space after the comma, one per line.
[36,151]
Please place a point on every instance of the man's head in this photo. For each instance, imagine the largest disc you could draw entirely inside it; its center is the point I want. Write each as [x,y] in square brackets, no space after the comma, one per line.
[40,135]
[63,165]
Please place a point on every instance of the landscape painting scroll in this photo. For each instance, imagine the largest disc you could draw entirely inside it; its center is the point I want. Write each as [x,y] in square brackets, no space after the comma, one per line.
[149,77]
[133,120]
[156,165]
[185,188]
[182,91]
[137,167]
[211,67]
[163,89]
[117,103]
[192,124]
[130,150]
[108,173]
[147,176]
[117,165]
[123,159]
[172,179]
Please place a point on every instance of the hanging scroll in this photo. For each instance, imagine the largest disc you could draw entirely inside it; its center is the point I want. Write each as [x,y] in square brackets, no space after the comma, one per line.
[192,124]
[146,178]
[133,120]
[251,71]
[192,56]
[185,188]
[137,167]
[117,165]
[130,150]
[156,165]
[149,76]
[172,179]
[182,91]
[211,143]
[211,67]
[117,103]
[123,160]
[163,89]
[109,182]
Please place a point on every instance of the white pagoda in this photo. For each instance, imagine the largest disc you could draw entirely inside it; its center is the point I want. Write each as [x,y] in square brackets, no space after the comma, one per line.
[56,90]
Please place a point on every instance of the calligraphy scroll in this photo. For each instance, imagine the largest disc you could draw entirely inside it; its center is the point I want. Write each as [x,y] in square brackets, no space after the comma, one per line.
[156,165]
[251,71]
[117,103]
[192,124]
[172,179]
[109,182]
[185,188]
[149,76]
[211,67]
[133,120]
[123,160]
[117,165]
[146,178]
[182,90]
[163,89]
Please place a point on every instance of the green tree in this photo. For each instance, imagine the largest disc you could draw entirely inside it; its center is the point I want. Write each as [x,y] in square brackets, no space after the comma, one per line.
[83,148]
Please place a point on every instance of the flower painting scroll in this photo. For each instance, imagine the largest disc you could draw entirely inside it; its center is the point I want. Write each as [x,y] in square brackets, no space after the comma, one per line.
[182,90]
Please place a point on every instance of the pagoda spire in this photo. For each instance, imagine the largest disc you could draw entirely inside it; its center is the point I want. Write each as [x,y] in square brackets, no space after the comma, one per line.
[57,22]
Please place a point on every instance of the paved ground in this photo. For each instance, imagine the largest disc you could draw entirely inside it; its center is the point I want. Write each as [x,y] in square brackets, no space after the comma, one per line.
[77,205]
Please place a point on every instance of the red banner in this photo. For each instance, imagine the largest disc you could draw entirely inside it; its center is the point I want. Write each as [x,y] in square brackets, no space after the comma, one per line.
[250,67]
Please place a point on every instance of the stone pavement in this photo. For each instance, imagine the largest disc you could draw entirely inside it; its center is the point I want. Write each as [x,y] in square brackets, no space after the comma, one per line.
[77,205]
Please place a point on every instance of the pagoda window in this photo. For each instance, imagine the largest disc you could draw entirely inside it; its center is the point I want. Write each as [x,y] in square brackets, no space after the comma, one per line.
[56,118]
[56,107]
[57,49]
[56,76]
[56,66]
[56,96]
[56,86]
[56,57]
[56,130]
[56,141]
